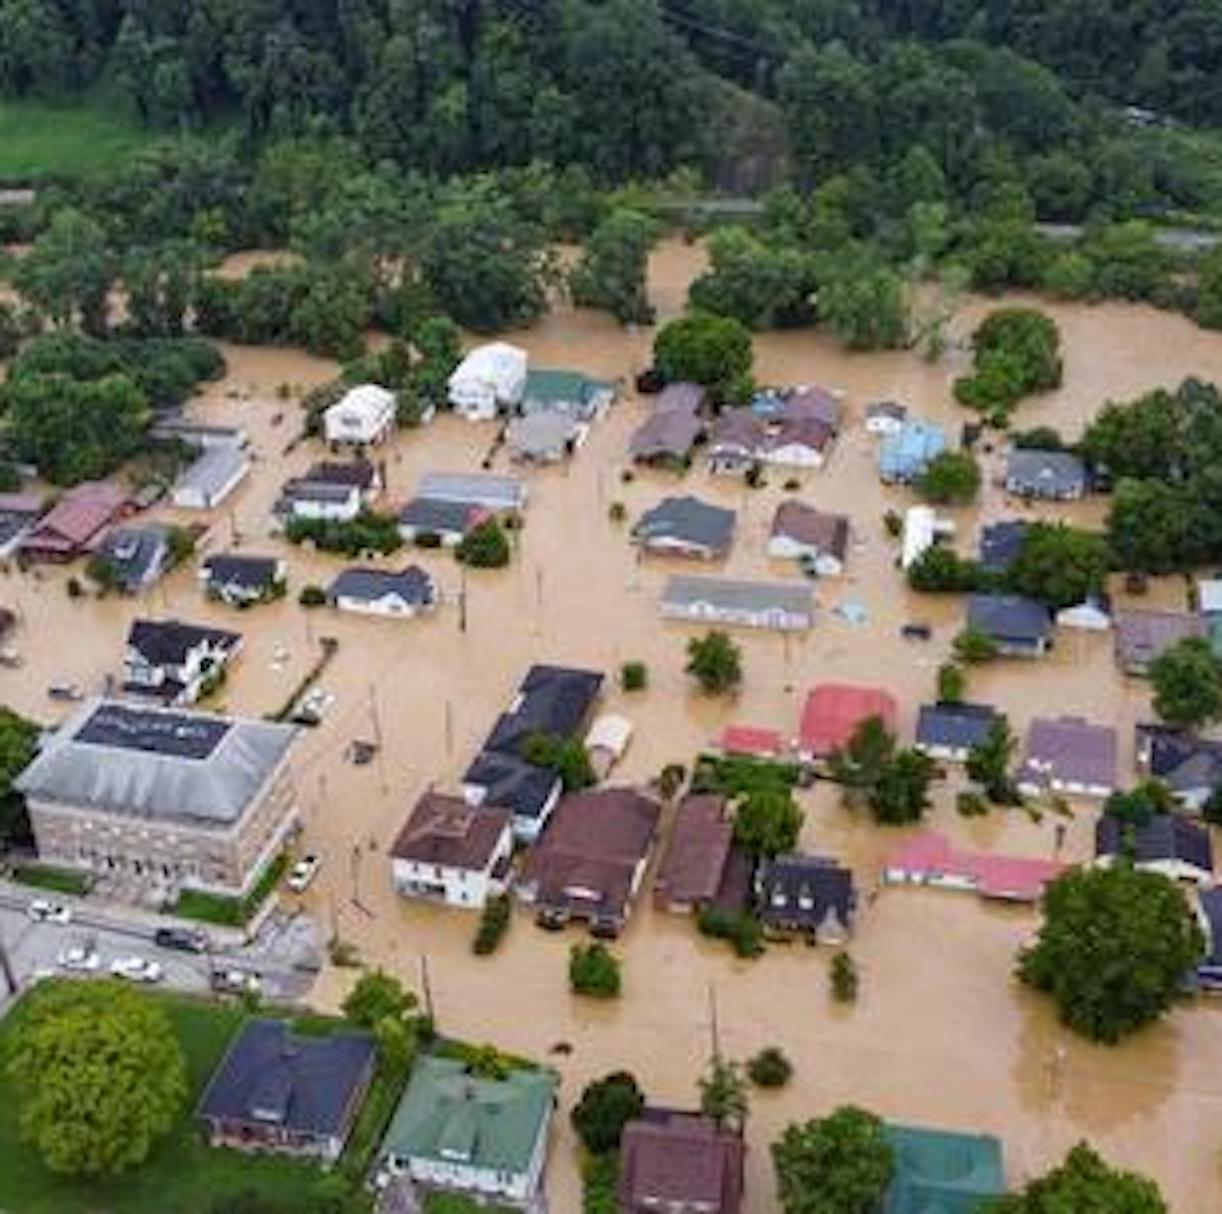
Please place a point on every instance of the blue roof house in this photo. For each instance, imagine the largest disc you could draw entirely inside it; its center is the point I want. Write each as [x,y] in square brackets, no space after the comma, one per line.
[904,456]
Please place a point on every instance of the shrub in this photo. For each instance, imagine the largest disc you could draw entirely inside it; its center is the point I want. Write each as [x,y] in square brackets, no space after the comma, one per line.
[971,804]
[770,1068]
[844,978]
[740,929]
[634,676]
[486,547]
[605,1107]
[617,512]
[594,970]
[493,923]
[312,596]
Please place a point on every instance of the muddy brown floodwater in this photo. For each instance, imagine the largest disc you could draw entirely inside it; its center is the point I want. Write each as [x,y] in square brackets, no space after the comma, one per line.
[941,1034]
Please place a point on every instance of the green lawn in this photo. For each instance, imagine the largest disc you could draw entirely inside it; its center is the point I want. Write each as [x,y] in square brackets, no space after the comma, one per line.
[182,1176]
[231,912]
[39,140]
[61,880]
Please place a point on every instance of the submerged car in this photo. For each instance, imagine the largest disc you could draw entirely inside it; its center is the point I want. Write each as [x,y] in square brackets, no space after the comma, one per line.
[303,873]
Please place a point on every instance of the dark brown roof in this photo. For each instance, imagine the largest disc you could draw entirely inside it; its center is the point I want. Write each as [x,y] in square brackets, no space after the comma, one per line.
[447,831]
[670,1159]
[827,532]
[809,432]
[816,403]
[590,849]
[696,853]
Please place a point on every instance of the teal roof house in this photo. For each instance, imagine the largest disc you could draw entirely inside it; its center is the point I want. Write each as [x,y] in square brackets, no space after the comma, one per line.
[938,1172]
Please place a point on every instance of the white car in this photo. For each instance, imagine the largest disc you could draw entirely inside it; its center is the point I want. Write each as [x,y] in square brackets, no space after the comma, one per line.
[235,982]
[81,958]
[303,872]
[42,911]
[136,969]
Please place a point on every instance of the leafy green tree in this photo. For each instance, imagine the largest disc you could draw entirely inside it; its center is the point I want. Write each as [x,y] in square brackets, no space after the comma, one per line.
[1129,262]
[1085,1184]
[861,764]
[1059,565]
[1017,352]
[941,570]
[715,662]
[866,307]
[705,349]
[98,1076]
[770,1068]
[951,477]
[1209,291]
[1070,276]
[485,546]
[1144,438]
[952,683]
[767,822]
[377,997]
[901,794]
[1113,949]
[723,1094]
[765,286]
[1137,806]
[838,1164]
[973,647]
[594,970]
[1150,527]
[1187,681]
[613,268]
[988,763]
[844,979]
[69,272]
[567,757]
[74,430]
[18,745]
[605,1107]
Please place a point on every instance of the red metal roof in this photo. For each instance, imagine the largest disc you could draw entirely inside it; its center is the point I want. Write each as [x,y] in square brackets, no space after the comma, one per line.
[1015,878]
[749,740]
[833,712]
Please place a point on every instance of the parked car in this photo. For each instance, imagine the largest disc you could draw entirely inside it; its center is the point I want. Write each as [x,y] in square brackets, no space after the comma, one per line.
[136,969]
[65,691]
[916,632]
[43,911]
[303,872]
[234,982]
[81,958]
[184,939]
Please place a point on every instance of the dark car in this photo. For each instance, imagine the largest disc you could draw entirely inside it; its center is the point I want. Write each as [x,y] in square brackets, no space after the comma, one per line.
[650,382]
[916,632]
[184,939]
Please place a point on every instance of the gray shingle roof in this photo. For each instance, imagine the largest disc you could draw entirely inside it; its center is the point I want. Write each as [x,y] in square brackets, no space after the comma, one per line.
[146,762]
[731,594]
[412,585]
[479,489]
[955,725]
[687,521]
[1009,617]
[1045,473]
[1163,837]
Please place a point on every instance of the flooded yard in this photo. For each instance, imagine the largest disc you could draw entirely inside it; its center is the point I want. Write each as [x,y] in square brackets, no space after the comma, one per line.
[941,1033]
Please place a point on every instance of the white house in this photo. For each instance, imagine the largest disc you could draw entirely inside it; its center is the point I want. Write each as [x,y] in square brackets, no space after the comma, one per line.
[365,415]
[489,379]
[408,593]
[607,741]
[885,417]
[452,852]
[922,529]
[173,662]
[207,482]
[802,533]
[320,501]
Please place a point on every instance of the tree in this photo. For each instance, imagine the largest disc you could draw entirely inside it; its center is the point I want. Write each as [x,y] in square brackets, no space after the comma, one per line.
[1187,681]
[765,286]
[843,976]
[378,997]
[485,546]
[865,306]
[1059,565]
[1113,949]
[1017,351]
[951,477]
[859,766]
[605,1107]
[18,746]
[839,1164]
[1209,291]
[767,822]
[770,1068]
[952,683]
[634,676]
[612,271]
[594,970]
[715,662]
[705,349]
[98,1076]
[723,1094]
[1085,1184]
[973,647]
[901,794]
[1150,526]
[1143,439]
[1137,806]
[988,763]
[941,570]
[567,757]
[68,273]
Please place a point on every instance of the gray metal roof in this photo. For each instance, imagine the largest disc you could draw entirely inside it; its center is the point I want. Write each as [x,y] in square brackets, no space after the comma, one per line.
[412,585]
[156,763]
[480,489]
[687,520]
[730,594]
[214,469]
[1052,473]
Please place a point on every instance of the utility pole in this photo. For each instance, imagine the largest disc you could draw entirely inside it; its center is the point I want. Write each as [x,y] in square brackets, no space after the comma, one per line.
[714,1030]
[426,989]
[6,967]
[462,599]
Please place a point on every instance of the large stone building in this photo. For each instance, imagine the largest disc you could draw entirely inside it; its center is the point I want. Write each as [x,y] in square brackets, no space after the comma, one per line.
[162,799]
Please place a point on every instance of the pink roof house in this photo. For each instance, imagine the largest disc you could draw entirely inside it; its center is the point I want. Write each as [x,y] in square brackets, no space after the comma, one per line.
[930,859]
[833,712]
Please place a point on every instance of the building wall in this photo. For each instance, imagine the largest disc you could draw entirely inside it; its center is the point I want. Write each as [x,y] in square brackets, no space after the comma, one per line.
[461,887]
[164,854]
[339,512]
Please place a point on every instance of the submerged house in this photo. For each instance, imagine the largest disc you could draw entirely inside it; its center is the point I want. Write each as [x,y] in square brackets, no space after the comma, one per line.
[930,859]
[686,526]
[566,393]
[490,379]
[817,539]
[402,594]
[1069,756]
[950,731]
[781,606]
[294,1095]
[674,1162]
[940,1172]
[811,896]
[174,662]
[834,711]
[700,865]
[1052,475]
[1019,627]
[362,417]
[1143,636]
[215,473]
[241,580]
[904,455]
[131,559]
[74,526]
[1169,844]
[277,1090]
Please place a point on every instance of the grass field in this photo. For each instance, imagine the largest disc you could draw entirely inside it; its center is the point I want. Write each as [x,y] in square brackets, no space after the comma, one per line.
[39,141]
[182,1175]
[59,880]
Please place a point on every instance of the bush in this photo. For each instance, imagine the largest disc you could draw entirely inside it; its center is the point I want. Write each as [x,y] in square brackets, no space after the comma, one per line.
[974,647]
[951,683]
[368,532]
[971,804]
[605,1107]
[493,923]
[634,676]
[486,547]
[312,596]
[617,512]
[740,929]
[844,978]
[770,1068]
[594,970]
[1017,352]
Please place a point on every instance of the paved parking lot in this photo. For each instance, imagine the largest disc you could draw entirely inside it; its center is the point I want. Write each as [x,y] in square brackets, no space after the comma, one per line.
[34,949]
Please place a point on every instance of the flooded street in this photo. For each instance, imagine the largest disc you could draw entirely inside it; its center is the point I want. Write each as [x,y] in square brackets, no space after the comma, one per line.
[941,1034]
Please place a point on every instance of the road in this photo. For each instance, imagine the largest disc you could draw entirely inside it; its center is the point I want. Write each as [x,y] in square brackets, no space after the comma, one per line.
[34,948]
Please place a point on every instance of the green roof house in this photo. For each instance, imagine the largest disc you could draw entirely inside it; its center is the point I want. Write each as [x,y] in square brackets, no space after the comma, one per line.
[942,1173]
[485,1137]
[566,392]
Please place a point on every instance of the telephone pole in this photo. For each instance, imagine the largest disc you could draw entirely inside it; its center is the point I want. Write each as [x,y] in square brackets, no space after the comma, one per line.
[6,968]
